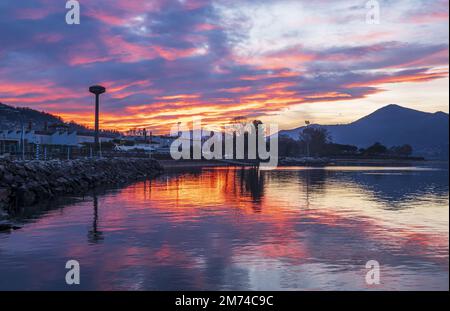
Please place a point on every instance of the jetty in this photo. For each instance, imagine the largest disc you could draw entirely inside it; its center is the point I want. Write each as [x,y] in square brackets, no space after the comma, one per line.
[25,183]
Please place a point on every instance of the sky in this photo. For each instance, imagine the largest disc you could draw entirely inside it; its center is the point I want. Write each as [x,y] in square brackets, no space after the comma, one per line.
[280,61]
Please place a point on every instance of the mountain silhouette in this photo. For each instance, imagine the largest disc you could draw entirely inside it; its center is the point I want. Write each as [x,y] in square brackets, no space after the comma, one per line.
[16,117]
[393,125]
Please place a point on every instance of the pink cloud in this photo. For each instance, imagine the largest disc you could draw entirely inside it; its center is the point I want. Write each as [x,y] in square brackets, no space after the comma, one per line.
[34,13]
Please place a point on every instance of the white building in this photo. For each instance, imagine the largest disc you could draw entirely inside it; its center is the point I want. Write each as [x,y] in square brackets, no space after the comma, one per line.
[60,138]
[87,138]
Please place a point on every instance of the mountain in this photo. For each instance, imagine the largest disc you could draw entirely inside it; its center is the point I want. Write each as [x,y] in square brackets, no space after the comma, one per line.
[393,125]
[13,118]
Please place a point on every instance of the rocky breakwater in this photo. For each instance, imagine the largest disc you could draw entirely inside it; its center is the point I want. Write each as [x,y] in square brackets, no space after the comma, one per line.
[25,184]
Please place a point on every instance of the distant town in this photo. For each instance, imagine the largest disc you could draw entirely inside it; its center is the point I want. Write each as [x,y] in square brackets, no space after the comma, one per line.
[32,135]
[45,136]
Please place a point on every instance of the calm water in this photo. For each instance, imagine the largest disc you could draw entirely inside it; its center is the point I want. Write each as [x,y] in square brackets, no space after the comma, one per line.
[229,228]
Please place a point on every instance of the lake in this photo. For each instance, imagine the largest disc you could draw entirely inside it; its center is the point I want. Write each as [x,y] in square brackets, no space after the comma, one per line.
[231,228]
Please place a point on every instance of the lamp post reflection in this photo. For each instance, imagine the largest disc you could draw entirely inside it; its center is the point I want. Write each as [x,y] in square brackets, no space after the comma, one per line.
[94,235]
[252,184]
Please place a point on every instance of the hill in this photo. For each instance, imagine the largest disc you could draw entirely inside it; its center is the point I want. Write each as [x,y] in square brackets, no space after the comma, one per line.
[393,125]
[14,117]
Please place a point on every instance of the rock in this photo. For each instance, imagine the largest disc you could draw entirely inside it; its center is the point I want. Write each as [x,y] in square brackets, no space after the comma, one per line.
[8,227]
[8,178]
[4,194]
[3,213]
[25,197]
[5,227]
[26,183]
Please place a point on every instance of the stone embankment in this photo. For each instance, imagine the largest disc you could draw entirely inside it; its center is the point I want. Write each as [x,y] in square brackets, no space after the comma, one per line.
[28,183]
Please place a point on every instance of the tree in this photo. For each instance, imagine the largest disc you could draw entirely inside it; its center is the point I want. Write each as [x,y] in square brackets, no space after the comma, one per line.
[339,149]
[315,139]
[376,149]
[405,150]
[288,147]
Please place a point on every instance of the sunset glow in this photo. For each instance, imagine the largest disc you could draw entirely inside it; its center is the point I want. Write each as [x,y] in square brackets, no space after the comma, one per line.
[165,61]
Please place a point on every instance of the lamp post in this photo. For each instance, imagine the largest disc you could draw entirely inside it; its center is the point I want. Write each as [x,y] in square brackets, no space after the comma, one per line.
[22,134]
[308,140]
[97,90]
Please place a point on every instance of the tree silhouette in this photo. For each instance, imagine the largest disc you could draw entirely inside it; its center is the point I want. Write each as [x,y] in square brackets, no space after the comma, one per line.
[376,149]
[315,139]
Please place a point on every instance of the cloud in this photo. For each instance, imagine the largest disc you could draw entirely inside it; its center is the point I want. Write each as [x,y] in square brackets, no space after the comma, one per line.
[166,60]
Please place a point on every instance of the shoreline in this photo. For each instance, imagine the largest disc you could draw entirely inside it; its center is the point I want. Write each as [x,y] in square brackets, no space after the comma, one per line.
[24,184]
[183,164]
[198,164]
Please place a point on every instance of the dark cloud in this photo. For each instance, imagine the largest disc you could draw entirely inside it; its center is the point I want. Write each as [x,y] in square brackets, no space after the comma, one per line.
[144,51]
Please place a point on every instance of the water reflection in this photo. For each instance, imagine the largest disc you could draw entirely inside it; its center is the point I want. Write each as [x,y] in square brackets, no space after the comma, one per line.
[227,228]
[94,235]
[251,182]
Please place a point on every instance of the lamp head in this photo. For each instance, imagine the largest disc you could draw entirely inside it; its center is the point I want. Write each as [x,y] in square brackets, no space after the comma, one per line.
[97,89]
